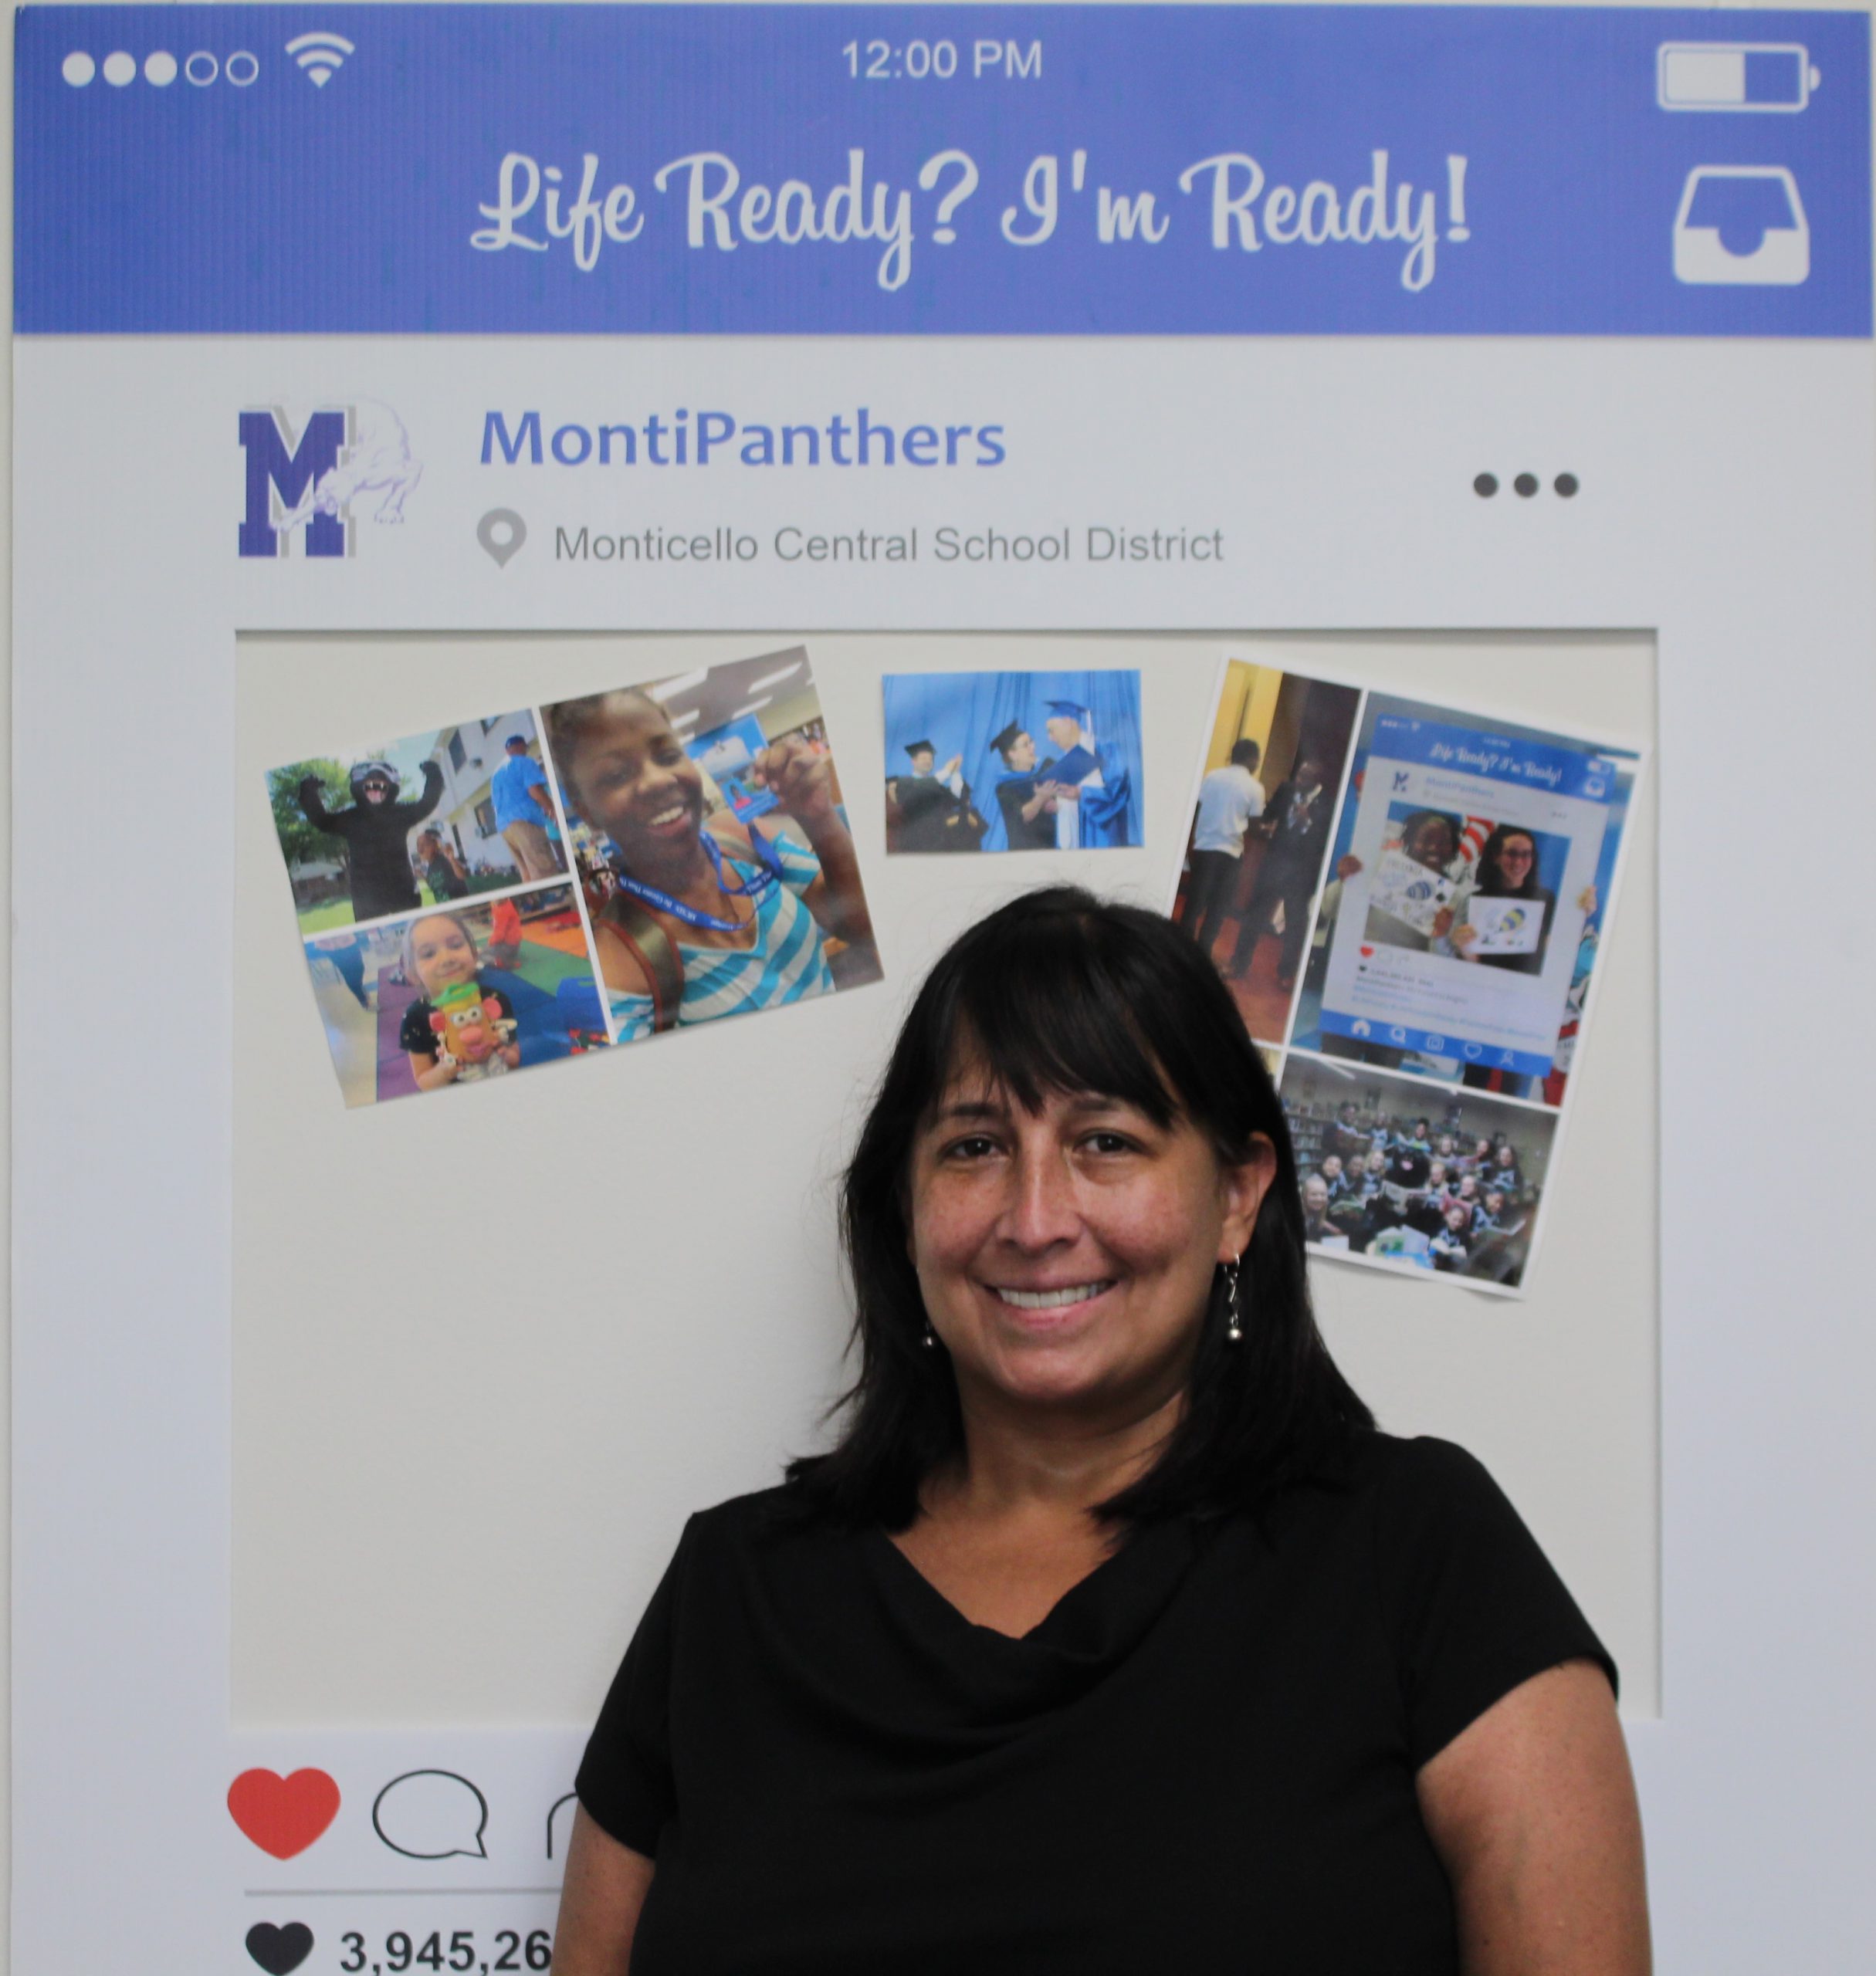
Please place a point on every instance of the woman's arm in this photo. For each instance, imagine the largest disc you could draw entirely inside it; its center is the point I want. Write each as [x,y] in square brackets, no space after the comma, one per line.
[1532,1810]
[805,782]
[601,1892]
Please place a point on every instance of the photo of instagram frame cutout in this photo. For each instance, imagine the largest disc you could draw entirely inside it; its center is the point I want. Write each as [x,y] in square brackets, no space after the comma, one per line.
[1409,903]
[478,899]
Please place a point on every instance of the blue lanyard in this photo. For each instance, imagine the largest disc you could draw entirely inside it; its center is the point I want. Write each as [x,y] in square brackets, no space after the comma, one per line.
[755,888]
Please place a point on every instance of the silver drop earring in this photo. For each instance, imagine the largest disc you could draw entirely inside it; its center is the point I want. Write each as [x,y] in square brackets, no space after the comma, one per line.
[1234,1326]
[930,1339]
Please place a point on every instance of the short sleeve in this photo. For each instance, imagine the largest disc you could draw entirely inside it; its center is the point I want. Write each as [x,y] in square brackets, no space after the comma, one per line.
[1471,1604]
[800,866]
[624,1780]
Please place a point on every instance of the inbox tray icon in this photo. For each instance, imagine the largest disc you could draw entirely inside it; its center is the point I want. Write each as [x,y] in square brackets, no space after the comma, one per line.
[1740,226]
[1733,75]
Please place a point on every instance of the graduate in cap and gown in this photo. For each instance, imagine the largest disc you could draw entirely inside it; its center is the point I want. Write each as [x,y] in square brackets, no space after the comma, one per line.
[932,802]
[1090,780]
[1028,812]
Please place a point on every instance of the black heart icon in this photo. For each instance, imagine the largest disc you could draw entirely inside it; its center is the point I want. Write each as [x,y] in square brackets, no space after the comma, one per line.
[279,1950]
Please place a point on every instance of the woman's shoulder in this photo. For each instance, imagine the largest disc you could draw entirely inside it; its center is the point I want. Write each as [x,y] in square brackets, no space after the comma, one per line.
[1418,1479]
[741,1522]
[1415,1461]
[620,967]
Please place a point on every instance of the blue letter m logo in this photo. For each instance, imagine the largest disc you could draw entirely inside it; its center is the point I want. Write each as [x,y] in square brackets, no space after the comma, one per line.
[297,475]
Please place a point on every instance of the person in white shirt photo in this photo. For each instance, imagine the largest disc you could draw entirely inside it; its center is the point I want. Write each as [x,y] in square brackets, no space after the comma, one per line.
[1229,800]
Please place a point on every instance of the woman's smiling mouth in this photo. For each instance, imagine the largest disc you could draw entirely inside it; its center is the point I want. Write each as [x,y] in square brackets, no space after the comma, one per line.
[1049,1300]
[671,820]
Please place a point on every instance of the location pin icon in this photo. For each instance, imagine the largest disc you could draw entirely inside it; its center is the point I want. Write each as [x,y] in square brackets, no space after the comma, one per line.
[502,532]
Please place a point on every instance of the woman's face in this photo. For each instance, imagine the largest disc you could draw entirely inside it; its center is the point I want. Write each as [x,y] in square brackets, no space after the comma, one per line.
[1517,859]
[1022,756]
[1506,1157]
[1066,1256]
[444,953]
[631,779]
[1458,1219]
[1430,843]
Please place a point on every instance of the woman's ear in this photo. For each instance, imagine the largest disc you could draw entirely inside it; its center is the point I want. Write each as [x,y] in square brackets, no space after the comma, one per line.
[1244,1185]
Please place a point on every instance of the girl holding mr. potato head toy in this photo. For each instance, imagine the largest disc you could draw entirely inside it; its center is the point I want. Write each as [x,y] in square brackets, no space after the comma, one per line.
[461,1030]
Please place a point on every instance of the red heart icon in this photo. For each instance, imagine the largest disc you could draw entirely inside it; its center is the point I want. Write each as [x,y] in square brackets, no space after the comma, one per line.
[1367,953]
[283,1814]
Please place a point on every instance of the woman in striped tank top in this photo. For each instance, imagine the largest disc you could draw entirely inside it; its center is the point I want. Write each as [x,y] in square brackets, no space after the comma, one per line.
[746,918]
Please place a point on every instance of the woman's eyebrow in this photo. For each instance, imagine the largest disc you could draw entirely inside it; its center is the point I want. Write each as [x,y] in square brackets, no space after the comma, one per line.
[971,1108]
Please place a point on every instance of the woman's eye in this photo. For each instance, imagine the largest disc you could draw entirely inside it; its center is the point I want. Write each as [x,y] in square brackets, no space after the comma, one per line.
[978,1146]
[1108,1142]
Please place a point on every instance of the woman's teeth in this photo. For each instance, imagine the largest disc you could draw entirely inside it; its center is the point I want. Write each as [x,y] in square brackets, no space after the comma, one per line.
[670,816]
[1051,1299]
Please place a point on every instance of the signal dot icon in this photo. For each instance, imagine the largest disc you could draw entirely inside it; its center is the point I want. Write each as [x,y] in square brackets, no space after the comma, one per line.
[320,55]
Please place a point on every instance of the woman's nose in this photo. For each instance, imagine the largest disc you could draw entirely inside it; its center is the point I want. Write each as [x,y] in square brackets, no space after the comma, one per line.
[1042,1208]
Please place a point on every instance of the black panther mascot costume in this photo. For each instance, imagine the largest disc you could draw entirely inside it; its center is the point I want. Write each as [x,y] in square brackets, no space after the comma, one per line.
[377,833]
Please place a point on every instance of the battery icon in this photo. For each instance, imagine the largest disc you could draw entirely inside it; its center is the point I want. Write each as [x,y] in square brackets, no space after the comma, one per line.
[1733,75]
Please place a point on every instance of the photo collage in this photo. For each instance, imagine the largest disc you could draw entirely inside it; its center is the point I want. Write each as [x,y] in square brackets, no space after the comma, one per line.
[1408,902]
[538,884]
[1405,901]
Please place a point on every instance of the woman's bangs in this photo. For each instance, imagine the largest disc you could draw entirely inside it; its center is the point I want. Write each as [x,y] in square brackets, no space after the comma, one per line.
[1050,1017]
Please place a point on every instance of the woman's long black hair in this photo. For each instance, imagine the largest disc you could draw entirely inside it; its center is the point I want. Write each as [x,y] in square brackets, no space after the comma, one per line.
[1061,992]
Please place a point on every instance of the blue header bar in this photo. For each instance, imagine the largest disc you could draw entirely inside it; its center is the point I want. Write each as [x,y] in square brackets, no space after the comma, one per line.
[1498,757]
[1051,170]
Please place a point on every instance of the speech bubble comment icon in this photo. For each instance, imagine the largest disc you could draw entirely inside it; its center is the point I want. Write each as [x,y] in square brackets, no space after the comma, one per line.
[502,532]
[431,1815]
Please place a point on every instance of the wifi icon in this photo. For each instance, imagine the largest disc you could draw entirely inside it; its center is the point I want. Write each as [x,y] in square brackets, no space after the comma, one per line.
[319,55]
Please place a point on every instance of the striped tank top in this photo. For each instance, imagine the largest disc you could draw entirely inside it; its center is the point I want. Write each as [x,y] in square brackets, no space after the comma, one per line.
[785,964]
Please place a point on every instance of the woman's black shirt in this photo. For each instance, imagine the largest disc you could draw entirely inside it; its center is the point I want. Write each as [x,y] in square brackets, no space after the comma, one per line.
[1202,1761]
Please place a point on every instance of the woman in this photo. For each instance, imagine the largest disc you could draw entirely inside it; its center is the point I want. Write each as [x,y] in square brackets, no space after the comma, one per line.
[1508,869]
[1110,1637]
[708,918]
[1429,838]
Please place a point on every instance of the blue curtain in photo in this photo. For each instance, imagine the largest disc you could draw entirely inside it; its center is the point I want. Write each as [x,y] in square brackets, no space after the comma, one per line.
[960,712]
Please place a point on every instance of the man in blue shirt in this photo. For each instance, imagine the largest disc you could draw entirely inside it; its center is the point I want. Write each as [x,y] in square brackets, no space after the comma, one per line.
[524,810]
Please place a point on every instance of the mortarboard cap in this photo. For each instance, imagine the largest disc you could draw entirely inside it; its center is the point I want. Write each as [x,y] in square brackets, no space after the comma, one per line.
[1005,739]
[1067,710]
[920,748]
